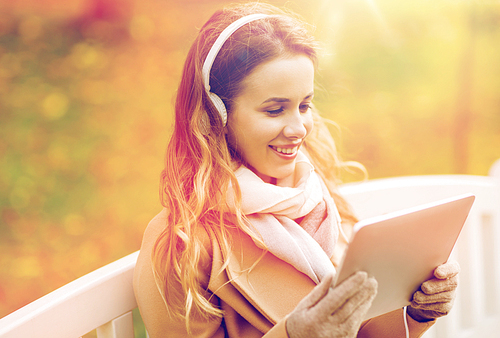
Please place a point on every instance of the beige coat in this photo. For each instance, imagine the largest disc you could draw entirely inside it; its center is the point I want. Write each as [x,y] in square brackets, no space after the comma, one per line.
[255,303]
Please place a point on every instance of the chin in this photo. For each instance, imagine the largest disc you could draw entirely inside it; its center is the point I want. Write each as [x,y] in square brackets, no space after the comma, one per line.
[282,174]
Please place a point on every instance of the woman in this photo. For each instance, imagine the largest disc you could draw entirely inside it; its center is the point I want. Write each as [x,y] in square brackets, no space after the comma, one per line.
[253,225]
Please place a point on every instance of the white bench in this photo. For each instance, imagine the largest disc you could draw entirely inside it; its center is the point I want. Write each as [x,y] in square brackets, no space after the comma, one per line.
[103,300]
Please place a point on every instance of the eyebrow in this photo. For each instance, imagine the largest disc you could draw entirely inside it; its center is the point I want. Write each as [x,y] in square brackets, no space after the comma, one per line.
[282,99]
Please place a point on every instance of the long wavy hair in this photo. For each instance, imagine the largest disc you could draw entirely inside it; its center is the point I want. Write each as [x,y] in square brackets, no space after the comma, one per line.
[198,165]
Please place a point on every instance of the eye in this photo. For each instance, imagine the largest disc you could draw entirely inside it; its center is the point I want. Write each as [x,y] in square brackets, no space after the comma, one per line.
[275,111]
[304,107]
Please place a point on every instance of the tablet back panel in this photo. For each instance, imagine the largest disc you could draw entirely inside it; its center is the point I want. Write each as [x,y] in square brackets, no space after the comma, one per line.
[402,249]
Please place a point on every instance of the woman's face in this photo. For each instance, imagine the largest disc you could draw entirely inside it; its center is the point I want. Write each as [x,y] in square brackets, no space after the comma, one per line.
[271,117]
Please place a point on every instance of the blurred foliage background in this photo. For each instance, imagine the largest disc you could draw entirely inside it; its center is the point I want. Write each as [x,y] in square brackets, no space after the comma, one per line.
[86,92]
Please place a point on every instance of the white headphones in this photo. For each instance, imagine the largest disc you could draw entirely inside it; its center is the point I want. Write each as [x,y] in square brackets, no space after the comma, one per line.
[212,54]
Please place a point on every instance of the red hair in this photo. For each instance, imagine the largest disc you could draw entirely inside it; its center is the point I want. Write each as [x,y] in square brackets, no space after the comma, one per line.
[198,170]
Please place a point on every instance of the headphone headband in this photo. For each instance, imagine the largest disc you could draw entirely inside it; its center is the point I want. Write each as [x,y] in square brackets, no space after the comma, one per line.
[212,54]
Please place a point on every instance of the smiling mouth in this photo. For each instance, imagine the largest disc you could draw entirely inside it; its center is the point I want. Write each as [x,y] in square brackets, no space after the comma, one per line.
[285,151]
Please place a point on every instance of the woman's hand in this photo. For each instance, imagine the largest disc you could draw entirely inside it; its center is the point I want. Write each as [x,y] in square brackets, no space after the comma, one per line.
[435,297]
[329,311]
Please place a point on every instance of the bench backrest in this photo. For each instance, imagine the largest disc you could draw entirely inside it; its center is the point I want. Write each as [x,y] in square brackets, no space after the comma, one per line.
[102,300]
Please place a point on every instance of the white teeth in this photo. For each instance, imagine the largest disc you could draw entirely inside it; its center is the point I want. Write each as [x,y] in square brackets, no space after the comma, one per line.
[287,151]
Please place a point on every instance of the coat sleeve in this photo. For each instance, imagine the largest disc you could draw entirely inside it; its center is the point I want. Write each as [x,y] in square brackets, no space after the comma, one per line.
[392,325]
[278,330]
[388,325]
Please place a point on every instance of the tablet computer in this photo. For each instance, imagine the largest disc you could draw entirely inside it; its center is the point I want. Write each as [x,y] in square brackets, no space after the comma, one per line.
[401,249]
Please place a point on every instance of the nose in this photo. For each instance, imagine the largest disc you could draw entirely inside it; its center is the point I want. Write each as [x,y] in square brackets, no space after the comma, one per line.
[295,127]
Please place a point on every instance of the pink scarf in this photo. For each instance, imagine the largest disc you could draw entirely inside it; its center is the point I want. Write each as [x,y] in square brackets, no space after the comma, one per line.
[274,210]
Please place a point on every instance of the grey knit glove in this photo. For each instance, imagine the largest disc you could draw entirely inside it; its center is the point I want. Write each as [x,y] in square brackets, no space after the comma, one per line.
[331,312]
[435,297]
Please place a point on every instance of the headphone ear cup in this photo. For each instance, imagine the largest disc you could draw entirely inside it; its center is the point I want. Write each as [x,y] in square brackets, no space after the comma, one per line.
[220,106]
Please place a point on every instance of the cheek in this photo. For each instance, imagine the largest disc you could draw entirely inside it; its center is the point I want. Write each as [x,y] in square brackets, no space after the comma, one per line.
[239,138]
